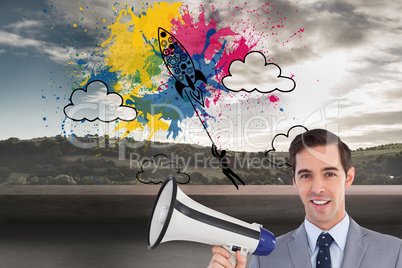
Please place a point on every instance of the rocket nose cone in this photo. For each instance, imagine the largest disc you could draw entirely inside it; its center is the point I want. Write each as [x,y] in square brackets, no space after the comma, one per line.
[162,32]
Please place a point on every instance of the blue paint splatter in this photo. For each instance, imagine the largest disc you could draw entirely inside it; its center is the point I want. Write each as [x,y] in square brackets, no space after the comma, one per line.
[106,76]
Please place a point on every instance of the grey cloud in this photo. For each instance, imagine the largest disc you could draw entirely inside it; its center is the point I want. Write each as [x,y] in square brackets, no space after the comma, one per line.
[23,24]
[40,33]
[298,55]
[331,26]
[327,26]
[372,138]
[337,24]
[23,46]
[11,39]
[377,118]
[52,26]
[395,94]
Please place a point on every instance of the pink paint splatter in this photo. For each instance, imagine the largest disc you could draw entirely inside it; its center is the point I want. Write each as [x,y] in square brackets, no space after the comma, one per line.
[273,98]
[242,48]
[207,102]
[216,94]
[186,32]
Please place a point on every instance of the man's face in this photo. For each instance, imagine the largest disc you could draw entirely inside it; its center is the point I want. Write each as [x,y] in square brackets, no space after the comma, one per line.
[321,181]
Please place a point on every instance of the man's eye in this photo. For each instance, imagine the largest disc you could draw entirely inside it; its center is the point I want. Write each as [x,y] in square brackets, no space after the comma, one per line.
[305,176]
[331,174]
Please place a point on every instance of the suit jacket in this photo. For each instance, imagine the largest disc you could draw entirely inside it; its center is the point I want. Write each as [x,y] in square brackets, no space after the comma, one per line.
[364,248]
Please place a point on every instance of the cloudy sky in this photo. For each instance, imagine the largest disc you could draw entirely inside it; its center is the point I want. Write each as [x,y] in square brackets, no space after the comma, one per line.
[347,66]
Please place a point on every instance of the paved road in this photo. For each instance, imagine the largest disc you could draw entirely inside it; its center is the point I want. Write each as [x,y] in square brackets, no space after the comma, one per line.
[106,227]
[103,245]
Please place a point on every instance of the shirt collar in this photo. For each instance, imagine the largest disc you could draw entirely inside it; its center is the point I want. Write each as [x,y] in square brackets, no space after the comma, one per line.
[339,232]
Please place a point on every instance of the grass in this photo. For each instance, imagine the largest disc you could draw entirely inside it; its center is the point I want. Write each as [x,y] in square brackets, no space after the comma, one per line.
[15,178]
[385,150]
[18,175]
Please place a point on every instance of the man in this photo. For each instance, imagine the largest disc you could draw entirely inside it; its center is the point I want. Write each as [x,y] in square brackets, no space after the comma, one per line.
[321,173]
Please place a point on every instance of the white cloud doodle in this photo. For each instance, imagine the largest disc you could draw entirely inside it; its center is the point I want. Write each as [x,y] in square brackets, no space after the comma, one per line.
[96,103]
[158,168]
[278,154]
[254,73]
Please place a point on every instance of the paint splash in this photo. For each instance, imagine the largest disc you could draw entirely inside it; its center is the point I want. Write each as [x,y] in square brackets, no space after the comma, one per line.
[273,98]
[130,63]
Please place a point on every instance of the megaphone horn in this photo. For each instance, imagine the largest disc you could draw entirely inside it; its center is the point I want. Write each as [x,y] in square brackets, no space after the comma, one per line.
[175,216]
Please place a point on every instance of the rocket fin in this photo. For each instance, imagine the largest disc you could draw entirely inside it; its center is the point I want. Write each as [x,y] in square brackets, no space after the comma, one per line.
[197,96]
[200,76]
[179,87]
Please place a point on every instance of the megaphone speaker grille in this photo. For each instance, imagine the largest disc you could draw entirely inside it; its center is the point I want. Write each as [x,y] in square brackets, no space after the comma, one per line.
[162,212]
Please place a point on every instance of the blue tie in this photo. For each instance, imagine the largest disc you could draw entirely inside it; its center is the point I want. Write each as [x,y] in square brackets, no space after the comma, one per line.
[324,241]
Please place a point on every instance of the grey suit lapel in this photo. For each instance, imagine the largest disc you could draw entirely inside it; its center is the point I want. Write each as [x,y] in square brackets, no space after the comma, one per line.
[356,246]
[299,250]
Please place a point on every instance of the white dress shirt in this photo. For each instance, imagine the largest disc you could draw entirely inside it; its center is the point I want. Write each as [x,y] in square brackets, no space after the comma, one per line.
[339,232]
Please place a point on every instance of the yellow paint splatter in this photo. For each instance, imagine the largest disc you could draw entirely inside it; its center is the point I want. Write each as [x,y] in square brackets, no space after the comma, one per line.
[126,46]
[74,25]
[126,50]
[154,124]
[81,9]
[84,82]
[128,126]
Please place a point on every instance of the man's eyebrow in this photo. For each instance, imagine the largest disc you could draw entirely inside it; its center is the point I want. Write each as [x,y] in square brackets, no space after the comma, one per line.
[329,169]
[303,171]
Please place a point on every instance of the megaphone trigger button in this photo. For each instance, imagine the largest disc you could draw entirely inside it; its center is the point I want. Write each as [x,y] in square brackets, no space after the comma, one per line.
[236,248]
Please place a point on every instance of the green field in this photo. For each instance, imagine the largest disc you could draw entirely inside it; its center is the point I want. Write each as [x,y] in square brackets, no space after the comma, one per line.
[386,150]
[57,161]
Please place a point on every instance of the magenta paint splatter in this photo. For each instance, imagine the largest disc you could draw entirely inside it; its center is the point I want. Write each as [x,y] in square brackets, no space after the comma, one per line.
[273,98]
[214,36]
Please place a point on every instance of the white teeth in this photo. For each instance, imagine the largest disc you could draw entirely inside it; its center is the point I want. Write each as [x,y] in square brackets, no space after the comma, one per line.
[320,202]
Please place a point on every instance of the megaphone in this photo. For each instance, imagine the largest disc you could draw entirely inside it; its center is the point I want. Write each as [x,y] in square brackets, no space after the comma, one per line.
[175,216]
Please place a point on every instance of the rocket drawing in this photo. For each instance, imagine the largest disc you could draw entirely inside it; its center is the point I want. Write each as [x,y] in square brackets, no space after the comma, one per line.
[180,65]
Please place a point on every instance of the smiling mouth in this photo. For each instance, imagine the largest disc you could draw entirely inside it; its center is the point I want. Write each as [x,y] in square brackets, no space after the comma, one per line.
[319,202]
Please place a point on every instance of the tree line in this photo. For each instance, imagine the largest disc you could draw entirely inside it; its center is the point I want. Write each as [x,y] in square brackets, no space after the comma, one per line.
[55,160]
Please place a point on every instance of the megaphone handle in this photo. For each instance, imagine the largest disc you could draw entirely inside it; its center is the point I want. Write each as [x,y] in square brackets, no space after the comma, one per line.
[232,250]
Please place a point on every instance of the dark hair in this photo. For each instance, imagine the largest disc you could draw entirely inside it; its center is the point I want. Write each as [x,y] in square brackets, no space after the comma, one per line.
[319,137]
